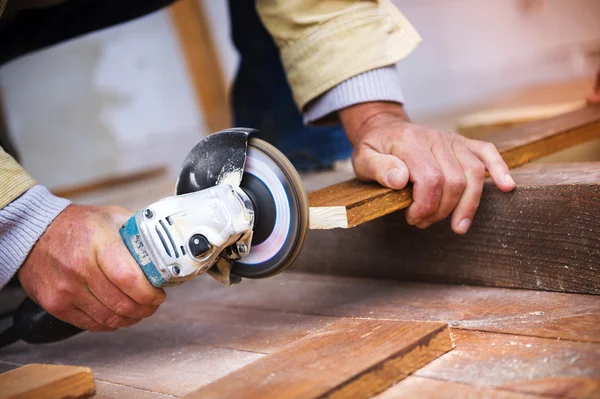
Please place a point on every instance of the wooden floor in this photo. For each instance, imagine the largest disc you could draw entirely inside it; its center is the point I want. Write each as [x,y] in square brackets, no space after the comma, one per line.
[507,341]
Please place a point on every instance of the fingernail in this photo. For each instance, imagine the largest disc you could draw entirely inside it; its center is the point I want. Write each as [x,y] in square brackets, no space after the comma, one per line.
[464,224]
[393,177]
[424,225]
[508,179]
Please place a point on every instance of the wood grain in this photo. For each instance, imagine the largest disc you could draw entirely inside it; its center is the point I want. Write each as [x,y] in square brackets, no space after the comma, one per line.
[544,235]
[518,146]
[521,364]
[520,312]
[428,388]
[481,123]
[203,63]
[110,182]
[349,358]
[44,381]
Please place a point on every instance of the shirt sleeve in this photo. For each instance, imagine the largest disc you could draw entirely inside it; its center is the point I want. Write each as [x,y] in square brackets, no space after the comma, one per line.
[22,223]
[381,84]
[323,43]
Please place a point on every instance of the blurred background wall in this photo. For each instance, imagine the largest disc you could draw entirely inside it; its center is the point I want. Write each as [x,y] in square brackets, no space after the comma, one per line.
[121,100]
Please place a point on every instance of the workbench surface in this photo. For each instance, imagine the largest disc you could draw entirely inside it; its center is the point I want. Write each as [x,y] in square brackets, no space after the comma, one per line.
[508,341]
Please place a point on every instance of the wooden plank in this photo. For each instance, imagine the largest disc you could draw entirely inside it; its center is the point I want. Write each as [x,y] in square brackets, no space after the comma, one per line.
[537,366]
[518,146]
[108,390]
[544,235]
[519,312]
[110,182]
[427,388]
[203,63]
[481,123]
[40,381]
[383,352]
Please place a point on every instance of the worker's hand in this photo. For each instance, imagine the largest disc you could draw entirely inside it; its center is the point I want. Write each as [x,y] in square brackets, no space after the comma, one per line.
[594,98]
[81,272]
[447,170]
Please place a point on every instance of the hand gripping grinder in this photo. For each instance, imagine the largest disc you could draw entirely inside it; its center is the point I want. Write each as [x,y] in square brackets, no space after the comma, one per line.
[240,210]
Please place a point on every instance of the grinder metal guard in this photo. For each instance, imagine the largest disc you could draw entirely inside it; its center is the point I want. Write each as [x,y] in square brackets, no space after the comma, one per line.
[240,210]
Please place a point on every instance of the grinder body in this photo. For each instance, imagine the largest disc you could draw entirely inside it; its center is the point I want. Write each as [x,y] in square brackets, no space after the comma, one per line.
[179,237]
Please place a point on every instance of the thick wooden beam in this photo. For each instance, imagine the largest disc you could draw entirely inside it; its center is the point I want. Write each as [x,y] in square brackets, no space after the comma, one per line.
[363,202]
[544,235]
[45,381]
[203,63]
[350,358]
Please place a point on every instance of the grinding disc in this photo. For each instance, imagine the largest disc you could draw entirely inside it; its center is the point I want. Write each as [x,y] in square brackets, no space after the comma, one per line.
[281,211]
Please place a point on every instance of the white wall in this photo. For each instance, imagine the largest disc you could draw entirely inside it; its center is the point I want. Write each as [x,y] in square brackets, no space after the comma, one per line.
[473,48]
[121,99]
[103,104]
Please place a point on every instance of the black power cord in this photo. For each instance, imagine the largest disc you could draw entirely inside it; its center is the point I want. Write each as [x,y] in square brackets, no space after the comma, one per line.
[32,324]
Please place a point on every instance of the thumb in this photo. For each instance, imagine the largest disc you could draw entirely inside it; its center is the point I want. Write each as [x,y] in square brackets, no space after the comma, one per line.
[388,170]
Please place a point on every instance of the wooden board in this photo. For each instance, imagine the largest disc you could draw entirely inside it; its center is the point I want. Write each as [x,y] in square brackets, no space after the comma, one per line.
[531,365]
[111,182]
[544,235]
[364,202]
[206,331]
[428,388]
[481,123]
[41,381]
[202,61]
[350,358]
[520,312]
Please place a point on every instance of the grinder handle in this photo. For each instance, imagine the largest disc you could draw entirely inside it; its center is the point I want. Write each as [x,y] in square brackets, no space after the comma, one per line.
[32,324]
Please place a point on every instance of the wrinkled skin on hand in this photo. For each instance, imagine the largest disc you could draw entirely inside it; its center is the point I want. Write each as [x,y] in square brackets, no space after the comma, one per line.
[81,272]
[447,170]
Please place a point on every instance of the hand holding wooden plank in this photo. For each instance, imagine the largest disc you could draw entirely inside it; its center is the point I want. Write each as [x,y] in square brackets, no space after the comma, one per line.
[351,203]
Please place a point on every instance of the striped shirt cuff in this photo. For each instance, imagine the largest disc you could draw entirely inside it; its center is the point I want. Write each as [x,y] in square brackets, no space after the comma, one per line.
[381,84]
[22,222]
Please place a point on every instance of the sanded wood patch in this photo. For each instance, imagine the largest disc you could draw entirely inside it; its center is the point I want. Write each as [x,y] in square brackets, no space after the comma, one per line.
[45,381]
[351,358]
[522,144]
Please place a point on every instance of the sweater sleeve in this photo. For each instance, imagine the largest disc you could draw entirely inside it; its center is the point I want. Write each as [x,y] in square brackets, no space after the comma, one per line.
[382,84]
[22,222]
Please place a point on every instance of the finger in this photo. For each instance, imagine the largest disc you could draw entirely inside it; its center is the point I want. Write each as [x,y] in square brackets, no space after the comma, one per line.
[92,307]
[387,170]
[454,183]
[474,171]
[489,155]
[122,270]
[428,180]
[80,319]
[114,299]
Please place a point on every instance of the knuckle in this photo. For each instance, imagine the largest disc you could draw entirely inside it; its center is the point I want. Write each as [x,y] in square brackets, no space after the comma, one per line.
[124,278]
[476,171]
[125,308]
[114,321]
[54,305]
[433,178]
[456,183]
[489,148]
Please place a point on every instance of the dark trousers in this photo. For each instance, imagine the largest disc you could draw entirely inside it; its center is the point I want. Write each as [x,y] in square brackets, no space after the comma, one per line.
[261,96]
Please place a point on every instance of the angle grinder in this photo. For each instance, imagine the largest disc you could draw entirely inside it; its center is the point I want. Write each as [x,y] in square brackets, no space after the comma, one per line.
[239,211]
